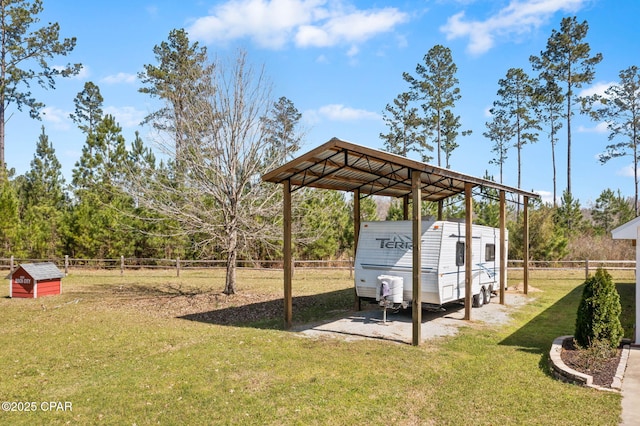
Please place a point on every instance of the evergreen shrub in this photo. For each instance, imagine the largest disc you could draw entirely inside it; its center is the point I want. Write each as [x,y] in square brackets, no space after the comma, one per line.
[598,319]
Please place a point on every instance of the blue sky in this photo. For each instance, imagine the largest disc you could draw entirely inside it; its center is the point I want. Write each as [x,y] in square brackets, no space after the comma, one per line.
[340,63]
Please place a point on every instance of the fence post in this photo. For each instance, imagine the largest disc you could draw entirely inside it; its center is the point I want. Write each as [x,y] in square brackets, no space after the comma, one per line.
[350,267]
[121,265]
[11,265]
[177,267]
[586,269]
[66,264]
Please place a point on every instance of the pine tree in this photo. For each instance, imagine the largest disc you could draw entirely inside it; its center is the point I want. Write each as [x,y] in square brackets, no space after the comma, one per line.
[450,126]
[20,45]
[548,102]
[45,202]
[10,225]
[368,212]
[567,60]
[88,111]
[101,224]
[610,211]
[152,233]
[620,109]
[436,87]
[281,127]
[598,317]
[487,209]
[406,129]
[547,241]
[182,75]
[500,130]
[569,215]
[515,99]
[325,215]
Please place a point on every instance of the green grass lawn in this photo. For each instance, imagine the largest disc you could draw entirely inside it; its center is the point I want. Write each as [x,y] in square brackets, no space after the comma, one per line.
[150,348]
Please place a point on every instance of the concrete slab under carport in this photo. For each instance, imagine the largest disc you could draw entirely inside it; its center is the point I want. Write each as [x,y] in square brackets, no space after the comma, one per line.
[369,324]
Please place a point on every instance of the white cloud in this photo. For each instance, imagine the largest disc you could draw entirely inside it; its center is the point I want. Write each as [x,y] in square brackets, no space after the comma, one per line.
[626,171]
[126,116]
[598,128]
[357,26]
[306,23]
[545,196]
[518,17]
[337,112]
[597,89]
[353,51]
[121,77]
[152,11]
[84,73]
[58,118]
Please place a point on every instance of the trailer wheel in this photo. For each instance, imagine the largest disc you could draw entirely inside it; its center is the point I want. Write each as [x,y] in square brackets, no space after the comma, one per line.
[487,295]
[478,299]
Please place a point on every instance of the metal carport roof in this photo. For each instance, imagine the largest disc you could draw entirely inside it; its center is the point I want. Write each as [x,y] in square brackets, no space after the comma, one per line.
[346,166]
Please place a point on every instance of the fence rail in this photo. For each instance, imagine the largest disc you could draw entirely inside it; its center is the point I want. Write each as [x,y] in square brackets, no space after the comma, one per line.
[129,263]
[123,263]
[588,265]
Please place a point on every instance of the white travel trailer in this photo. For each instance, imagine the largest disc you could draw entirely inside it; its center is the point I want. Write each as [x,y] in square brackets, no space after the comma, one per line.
[384,255]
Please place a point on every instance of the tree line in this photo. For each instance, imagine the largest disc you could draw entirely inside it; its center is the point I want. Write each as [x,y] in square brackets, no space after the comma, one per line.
[195,192]
[528,106]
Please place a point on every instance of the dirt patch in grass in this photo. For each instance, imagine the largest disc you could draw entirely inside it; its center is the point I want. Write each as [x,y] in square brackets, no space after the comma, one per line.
[195,304]
[206,306]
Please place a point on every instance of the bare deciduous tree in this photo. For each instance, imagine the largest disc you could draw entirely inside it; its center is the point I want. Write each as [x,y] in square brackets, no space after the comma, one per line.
[216,196]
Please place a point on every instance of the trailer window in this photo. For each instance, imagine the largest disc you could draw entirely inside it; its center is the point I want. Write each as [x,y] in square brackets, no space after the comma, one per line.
[459,253]
[490,252]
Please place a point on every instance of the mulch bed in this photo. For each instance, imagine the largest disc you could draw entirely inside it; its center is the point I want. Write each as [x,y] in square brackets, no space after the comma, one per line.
[603,370]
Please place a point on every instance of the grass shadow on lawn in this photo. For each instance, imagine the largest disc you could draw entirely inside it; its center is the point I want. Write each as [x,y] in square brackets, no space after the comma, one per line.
[269,314]
[627,292]
[538,333]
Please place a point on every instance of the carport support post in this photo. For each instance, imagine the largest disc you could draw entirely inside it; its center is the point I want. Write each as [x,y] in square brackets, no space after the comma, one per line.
[287,265]
[416,304]
[468,259]
[503,246]
[405,207]
[525,243]
[356,234]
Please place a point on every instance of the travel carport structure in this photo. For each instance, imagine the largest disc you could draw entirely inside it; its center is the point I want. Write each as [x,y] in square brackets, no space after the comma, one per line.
[344,166]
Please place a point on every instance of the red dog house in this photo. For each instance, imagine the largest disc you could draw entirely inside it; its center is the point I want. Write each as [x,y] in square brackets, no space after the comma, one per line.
[31,280]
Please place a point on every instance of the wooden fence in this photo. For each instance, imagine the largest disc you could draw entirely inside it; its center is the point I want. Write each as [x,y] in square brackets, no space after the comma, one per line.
[123,263]
[588,265]
[126,263]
